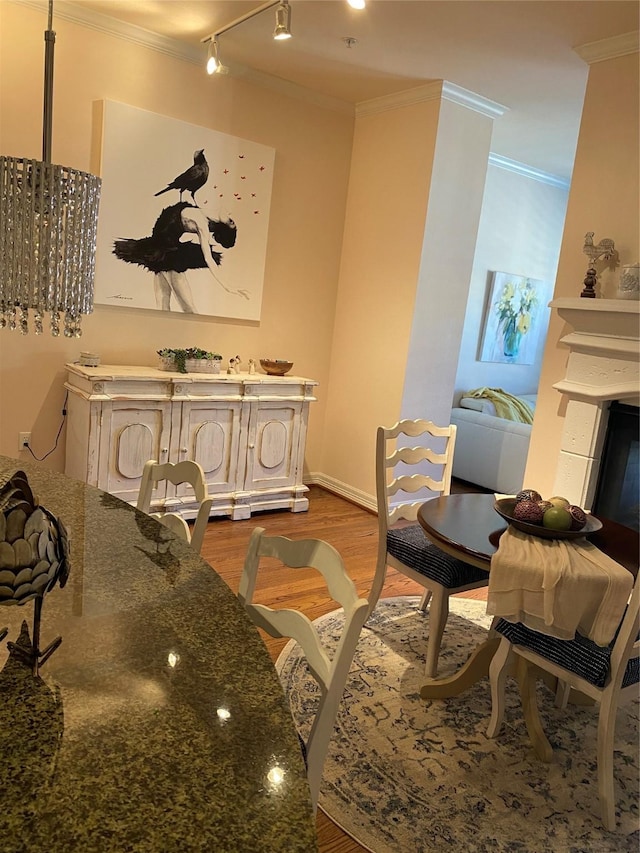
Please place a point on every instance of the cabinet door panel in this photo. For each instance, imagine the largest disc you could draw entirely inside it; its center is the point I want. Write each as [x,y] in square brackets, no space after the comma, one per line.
[209,441]
[131,434]
[273,445]
[135,442]
[210,435]
[272,455]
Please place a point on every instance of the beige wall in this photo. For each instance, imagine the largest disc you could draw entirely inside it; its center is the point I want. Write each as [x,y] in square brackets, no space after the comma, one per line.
[313,152]
[384,230]
[449,244]
[604,198]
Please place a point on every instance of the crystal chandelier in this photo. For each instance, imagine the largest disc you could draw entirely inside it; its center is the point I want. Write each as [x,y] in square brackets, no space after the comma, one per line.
[48,228]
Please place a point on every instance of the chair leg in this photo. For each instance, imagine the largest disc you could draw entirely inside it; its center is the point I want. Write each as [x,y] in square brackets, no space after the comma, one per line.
[526,676]
[606,730]
[438,615]
[424,601]
[563,689]
[498,671]
[378,583]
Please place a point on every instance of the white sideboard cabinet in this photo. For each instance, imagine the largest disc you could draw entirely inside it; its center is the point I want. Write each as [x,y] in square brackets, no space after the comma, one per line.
[247,431]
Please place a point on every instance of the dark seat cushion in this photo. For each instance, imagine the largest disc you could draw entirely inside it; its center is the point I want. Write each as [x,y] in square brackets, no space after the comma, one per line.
[411,546]
[580,655]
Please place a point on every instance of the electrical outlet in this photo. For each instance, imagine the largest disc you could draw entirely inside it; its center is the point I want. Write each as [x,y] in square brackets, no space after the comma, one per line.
[25,440]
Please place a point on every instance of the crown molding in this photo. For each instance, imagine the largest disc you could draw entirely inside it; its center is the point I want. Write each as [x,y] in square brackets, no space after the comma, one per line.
[528,171]
[120,29]
[183,51]
[472,101]
[599,51]
[435,90]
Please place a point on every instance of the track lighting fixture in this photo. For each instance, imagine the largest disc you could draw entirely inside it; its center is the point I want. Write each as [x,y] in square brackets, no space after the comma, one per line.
[283,21]
[281,32]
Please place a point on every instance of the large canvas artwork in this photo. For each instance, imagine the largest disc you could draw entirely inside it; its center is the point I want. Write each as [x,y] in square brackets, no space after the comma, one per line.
[184,216]
[515,317]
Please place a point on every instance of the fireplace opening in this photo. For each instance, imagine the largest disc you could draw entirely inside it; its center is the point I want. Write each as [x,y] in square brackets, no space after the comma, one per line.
[618,489]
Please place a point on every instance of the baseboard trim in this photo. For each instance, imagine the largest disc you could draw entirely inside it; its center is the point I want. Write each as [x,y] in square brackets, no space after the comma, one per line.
[343,490]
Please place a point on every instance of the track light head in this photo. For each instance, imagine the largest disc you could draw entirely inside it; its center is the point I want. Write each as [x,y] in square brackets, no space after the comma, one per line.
[283,21]
[213,63]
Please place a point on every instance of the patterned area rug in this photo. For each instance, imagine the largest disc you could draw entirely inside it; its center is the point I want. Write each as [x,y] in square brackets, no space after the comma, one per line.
[408,776]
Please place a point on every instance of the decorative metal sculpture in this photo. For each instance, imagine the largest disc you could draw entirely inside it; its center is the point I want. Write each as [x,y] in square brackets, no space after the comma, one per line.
[34,557]
[48,229]
[604,250]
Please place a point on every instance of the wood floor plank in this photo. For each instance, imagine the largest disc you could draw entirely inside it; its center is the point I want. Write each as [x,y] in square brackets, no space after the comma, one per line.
[354,533]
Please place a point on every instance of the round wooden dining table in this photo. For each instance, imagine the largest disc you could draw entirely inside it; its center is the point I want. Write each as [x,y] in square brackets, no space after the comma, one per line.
[468,527]
[159,724]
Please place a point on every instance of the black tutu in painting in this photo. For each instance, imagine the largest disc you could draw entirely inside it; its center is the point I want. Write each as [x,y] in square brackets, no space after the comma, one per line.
[168,255]
[164,251]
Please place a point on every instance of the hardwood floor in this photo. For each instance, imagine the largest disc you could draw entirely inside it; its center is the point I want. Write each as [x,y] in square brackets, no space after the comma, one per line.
[354,533]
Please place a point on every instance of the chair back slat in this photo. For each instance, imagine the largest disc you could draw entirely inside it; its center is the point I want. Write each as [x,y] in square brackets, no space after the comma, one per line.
[412,483]
[404,512]
[414,455]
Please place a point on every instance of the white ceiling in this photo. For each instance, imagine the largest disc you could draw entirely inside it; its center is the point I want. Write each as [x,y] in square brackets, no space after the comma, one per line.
[518,53]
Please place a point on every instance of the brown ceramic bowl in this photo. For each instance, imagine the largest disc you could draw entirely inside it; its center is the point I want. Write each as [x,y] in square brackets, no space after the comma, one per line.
[275,367]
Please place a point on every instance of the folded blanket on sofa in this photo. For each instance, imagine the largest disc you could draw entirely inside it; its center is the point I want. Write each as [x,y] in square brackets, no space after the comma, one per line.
[506,405]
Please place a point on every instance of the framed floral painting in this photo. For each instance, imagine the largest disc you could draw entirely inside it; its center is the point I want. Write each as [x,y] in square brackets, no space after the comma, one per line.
[516,315]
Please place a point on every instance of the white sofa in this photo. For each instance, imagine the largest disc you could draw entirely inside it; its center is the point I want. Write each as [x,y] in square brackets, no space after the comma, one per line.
[490,451]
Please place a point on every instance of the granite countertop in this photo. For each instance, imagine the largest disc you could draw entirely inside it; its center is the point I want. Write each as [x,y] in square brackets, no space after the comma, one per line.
[156,724]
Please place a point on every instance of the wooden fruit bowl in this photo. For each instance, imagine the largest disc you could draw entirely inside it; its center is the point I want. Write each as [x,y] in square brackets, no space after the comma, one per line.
[275,367]
[504,507]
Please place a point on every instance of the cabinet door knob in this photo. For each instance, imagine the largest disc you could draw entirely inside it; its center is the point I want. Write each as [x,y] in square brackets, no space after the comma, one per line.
[164,450]
[251,446]
[185,449]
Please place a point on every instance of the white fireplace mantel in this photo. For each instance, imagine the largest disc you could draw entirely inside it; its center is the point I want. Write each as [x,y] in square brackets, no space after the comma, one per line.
[603,365]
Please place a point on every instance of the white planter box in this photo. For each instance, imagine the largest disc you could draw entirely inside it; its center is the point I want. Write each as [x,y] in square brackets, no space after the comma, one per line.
[203,365]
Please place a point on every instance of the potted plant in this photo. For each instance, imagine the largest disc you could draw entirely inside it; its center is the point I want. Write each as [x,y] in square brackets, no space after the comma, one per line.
[202,361]
[189,360]
[171,359]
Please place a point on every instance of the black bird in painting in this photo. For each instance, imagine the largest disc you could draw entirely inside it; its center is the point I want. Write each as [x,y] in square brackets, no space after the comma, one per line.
[191,180]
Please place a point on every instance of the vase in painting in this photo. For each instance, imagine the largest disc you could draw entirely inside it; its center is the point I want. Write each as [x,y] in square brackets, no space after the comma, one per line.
[511,338]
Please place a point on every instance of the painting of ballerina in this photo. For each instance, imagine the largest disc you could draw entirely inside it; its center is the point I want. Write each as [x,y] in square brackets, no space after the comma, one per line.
[184,216]
[516,316]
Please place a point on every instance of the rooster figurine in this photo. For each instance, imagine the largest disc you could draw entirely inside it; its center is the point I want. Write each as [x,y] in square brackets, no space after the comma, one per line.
[34,557]
[606,250]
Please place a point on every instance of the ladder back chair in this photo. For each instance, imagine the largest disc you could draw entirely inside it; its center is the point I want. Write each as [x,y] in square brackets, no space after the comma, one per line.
[330,671]
[177,473]
[410,469]
[607,674]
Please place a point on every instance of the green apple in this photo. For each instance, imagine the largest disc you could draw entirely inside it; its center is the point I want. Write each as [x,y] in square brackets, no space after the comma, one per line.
[557,500]
[556,518]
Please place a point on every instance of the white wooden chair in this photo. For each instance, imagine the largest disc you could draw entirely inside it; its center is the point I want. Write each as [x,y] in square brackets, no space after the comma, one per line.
[330,672]
[407,548]
[608,675]
[177,473]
